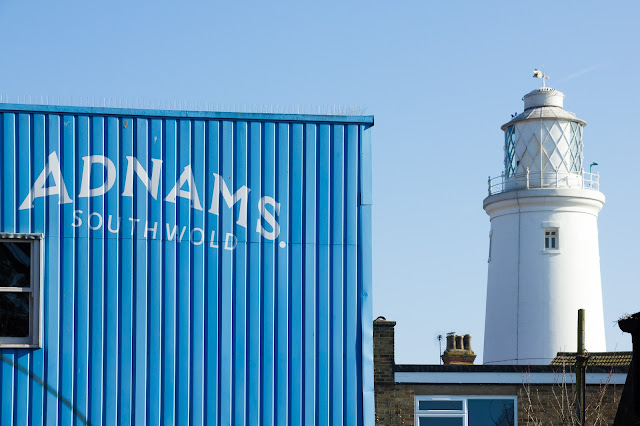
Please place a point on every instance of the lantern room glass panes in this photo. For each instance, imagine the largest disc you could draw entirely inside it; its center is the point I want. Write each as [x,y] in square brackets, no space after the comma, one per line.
[510,162]
[575,148]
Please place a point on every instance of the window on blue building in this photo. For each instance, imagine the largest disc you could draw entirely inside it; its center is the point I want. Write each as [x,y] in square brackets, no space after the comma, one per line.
[20,274]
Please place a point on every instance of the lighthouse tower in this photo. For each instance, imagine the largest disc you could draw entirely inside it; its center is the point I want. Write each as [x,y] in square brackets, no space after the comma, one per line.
[544,262]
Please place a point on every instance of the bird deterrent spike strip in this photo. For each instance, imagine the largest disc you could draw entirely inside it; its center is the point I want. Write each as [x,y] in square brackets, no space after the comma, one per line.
[173,104]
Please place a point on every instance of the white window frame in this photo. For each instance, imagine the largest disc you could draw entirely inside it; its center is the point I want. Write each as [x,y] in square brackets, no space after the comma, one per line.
[550,227]
[34,339]
[551,239]
[464,413]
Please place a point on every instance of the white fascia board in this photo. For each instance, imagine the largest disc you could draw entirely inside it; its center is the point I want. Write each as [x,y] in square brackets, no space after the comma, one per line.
[503,378]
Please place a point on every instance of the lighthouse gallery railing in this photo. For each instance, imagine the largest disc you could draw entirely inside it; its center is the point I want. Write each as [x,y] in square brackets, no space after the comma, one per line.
[530,180]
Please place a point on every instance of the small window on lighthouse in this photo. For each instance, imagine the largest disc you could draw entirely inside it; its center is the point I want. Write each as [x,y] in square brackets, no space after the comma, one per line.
[551,239]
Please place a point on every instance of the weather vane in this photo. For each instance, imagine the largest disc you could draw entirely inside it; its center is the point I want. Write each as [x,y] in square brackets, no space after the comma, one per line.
[540,74]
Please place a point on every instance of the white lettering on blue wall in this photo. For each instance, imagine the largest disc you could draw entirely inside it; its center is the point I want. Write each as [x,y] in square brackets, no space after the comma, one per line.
[153,230]
[185,188]
[51,168]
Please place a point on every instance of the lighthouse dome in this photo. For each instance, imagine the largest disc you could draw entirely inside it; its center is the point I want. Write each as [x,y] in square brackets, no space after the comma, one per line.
[542,104]
[543,96]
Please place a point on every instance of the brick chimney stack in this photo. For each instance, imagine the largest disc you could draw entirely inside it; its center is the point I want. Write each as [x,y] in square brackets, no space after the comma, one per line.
[394,403]
[383,351]
[458,350]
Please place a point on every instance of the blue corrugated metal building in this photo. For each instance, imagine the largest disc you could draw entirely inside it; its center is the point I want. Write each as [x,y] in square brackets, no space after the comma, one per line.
[186,267]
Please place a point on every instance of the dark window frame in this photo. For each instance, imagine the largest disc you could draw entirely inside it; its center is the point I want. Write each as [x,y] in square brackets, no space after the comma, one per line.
[34,338]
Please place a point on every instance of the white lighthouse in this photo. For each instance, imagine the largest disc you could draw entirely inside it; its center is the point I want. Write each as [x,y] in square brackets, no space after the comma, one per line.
[544,262]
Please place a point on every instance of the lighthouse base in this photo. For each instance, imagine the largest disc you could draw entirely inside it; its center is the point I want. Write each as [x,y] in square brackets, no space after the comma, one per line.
[544,265]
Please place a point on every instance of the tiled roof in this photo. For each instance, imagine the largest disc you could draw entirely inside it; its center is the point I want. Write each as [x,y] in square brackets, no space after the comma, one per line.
[595,358]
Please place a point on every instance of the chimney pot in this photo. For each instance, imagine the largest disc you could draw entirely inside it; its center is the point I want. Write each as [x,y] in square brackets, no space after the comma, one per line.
[467,342]
[451,341]
[459,344]
[458,350]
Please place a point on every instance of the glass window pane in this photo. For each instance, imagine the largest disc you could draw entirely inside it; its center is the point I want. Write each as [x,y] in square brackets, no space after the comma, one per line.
[441,421]
[546,243]
[14,314]
[15,264]
[553,243]
[491,412]
[440,405]
[510,161]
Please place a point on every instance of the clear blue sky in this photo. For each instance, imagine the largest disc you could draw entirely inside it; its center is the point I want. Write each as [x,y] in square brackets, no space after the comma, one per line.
[439,77]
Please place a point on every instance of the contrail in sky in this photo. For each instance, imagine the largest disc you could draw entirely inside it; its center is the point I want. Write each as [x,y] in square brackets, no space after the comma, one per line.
[578,73]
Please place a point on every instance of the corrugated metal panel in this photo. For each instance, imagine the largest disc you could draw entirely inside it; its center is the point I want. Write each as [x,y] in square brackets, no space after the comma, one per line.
[150,318]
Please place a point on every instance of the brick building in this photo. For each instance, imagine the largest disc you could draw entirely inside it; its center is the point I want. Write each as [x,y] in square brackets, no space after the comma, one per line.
[463,395]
